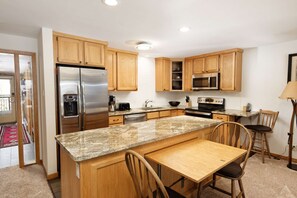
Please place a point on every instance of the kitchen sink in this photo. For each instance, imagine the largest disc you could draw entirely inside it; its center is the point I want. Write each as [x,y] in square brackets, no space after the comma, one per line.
[151,108]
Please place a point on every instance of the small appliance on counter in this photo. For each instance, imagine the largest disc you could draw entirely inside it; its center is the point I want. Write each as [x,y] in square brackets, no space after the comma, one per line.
[124,106]
[247,108]
[112,103]
[188,102]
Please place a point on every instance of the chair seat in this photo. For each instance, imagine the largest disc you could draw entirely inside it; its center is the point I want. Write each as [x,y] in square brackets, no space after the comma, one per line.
[232,170]
[171,193]
[259,128]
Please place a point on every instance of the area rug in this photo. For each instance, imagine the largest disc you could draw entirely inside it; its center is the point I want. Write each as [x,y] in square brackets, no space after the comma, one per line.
[9,136]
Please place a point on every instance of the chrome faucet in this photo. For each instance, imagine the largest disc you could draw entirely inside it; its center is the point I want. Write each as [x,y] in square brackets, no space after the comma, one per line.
[146,102]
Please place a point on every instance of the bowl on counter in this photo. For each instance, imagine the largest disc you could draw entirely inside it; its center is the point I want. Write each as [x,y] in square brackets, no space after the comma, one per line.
[174,103]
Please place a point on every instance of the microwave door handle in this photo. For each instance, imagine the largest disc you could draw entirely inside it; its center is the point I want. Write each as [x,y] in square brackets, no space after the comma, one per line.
[209,82]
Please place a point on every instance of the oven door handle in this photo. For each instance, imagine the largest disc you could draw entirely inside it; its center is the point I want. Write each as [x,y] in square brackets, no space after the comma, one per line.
[198,113]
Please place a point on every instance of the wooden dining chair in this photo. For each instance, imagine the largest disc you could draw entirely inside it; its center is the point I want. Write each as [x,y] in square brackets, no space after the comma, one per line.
[265,124]
[236,135]
[146,182]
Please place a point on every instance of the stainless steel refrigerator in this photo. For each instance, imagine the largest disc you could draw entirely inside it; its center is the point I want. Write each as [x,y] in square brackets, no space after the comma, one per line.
[82,97]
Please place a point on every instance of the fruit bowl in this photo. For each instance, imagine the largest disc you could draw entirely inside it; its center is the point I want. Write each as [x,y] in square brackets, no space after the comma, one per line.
[174,103]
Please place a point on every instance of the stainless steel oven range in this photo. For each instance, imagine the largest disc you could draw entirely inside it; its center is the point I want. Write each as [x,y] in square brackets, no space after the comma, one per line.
[205,106]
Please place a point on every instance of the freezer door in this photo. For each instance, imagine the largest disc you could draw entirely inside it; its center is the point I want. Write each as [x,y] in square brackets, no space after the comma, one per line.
[95,98]
[69,99]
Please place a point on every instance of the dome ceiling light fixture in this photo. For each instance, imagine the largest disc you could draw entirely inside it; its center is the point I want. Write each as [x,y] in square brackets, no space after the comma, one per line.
[184,29]
[111,2]
[142,45]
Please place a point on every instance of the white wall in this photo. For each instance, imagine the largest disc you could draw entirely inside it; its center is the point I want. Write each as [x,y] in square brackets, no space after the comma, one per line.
[47,97]
[146,87]
[20,43]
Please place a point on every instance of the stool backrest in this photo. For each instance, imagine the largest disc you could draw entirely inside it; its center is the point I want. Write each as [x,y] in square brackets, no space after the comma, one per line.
[233,134]
[146,182]
[267,118]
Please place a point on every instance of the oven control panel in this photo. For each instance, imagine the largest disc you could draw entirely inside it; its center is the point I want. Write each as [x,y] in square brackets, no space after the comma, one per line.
[210,100]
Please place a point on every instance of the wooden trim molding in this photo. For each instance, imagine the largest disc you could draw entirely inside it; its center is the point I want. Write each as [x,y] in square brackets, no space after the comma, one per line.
[79,38]
[123,51]
[216,53]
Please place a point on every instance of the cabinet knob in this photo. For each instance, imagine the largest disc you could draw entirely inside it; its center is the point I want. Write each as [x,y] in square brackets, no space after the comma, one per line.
[86,63]
[80,61]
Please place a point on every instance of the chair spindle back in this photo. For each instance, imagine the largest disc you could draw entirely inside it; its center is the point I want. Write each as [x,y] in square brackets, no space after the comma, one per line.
[233,134]
[146,181]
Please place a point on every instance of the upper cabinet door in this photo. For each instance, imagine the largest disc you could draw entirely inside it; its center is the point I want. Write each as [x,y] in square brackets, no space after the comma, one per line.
[69,50]
[162,74]
[188,74]
[166,74]
[212,64]
[126,71]
[110,66]
[198,65]
[94,54]
[228,71]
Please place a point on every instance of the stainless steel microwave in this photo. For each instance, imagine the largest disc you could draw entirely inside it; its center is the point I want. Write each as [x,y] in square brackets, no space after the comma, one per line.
[209,81]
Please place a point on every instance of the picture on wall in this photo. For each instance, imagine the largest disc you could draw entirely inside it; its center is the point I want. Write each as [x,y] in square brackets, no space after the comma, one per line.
[292,67]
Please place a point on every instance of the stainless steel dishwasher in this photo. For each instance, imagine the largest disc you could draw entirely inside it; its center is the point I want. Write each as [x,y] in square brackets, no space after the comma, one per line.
[132,118]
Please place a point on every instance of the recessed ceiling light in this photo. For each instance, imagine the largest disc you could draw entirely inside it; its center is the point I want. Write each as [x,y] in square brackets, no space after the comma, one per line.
[143,45]
[111,2]
[184,29]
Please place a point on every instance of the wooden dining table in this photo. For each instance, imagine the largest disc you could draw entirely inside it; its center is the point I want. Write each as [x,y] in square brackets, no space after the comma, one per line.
[196,159]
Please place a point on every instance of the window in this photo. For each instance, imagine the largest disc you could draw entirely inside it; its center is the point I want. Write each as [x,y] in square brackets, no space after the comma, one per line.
[5,94]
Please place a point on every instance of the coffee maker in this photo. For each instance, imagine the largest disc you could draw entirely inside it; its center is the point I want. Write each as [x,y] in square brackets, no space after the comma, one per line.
[111,103]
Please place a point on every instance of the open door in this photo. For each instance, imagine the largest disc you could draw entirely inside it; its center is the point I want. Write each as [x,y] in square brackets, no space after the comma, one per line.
[19,139]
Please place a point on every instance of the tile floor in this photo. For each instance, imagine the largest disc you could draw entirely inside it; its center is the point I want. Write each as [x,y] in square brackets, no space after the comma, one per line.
[9,156]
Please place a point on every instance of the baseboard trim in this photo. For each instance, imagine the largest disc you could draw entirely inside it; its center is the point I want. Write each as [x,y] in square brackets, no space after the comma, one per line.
[283,157]
[52,176]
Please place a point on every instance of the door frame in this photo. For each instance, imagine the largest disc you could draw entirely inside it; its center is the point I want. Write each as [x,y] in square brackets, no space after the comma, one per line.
[18,104]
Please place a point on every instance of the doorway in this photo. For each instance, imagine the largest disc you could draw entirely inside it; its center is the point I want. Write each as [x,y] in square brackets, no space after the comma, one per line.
[19,135]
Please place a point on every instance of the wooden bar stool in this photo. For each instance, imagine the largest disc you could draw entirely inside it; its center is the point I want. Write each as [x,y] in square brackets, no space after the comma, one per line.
[265,124]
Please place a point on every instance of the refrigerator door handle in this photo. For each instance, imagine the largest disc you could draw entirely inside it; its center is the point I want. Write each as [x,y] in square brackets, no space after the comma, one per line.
[79,106]
[84,105]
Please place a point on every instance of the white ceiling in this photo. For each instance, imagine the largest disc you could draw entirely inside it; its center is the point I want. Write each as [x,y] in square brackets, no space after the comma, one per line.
[215,24]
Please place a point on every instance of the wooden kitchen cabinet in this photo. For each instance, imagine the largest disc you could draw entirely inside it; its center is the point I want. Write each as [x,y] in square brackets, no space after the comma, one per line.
[94,54]
[166,113]
[188,74]
[224,118]
[208,64]
[162,74]
[126,71]
[111,66]
[231,71]
[69,49]
[180,112]
[152,115]
[177,75]
[121,67]
[198,65]
[115,120]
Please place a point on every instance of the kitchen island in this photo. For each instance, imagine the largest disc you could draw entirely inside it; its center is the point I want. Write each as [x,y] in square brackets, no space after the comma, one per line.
[93,163]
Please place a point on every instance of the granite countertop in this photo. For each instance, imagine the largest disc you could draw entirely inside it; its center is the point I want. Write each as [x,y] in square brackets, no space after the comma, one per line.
[239,113]
[141,110]
[98,142]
